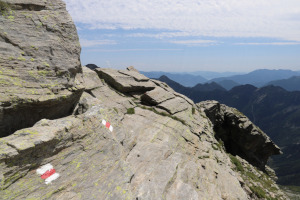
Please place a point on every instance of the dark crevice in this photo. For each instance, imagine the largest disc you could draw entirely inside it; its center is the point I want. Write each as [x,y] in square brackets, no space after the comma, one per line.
[91,93]
[25,114]
[131,178]
[28,6]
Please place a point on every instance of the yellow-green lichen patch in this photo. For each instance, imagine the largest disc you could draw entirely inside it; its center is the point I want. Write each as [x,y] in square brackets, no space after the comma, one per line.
[12,80]
[34,47]
[43,72]
[33,74]
[11,18]
[46,64]
[21,58]
[78,165]
[7,71]
[4,82]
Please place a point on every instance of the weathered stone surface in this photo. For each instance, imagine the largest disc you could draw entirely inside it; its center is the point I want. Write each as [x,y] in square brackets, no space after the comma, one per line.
[174,105]
[91,79]
[126,81]
[131,68]
[40,70]
[148,155]
[156,96]
[240,136]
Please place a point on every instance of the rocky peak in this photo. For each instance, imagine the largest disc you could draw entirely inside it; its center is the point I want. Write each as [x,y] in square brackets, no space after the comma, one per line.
[40,70]
[239,135]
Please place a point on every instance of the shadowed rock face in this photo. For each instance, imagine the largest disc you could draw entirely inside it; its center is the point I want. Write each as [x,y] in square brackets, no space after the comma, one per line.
[240,136]
[40,70]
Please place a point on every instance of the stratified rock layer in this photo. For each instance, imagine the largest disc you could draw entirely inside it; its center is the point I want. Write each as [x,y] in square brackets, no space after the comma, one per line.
[40,70]
[151,154]
[240,136]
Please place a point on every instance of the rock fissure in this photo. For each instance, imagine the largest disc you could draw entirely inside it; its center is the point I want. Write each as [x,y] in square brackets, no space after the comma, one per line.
[29,7]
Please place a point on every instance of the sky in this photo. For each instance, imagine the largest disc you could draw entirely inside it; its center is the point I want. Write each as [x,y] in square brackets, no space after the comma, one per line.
[189,35]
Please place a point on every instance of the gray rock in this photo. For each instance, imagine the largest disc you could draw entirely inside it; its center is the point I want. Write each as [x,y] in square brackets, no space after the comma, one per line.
[240,136]
[156,96]
[174,105]
[40,70]
[91,79]
[126,81]
[131,68]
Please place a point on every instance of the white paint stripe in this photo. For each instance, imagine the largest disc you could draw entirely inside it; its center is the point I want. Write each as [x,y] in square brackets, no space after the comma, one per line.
[111,128]
[51,178]
[44,169]
[103,122]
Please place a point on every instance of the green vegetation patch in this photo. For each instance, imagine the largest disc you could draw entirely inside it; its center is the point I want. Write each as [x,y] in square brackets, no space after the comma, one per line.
[237,163]
[4,6]
[130,111]
[253,179]
[258,191]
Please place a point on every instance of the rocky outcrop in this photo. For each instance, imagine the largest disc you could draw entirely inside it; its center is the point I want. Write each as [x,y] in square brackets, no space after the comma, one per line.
[126,81]
[40,70]
[103,134]
[239,135]
[160,151]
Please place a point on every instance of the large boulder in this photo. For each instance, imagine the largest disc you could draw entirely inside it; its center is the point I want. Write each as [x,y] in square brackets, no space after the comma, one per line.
[126,81]
[40,70]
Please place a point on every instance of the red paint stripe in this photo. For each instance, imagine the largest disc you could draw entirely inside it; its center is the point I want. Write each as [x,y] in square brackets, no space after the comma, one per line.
[107,125]
[48,173]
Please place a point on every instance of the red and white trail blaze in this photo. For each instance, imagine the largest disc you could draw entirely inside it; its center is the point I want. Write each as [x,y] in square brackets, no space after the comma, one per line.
[108,125]
[48,173]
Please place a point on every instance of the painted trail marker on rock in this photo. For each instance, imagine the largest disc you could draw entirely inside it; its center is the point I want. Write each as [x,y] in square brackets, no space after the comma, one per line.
[48,173]
[108,125]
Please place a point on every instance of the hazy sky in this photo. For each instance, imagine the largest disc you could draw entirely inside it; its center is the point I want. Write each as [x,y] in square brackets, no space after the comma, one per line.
[189,35]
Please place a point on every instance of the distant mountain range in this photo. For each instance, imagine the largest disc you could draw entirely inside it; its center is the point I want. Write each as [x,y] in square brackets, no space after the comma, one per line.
[257,78]
[211,75]
[206,87]
[184,79]
[275,110]
[291,84]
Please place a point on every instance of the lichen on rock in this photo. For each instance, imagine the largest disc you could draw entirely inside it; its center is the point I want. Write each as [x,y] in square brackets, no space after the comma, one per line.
[40,70]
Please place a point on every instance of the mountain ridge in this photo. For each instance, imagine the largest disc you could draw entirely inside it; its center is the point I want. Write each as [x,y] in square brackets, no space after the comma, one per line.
[290,84]
[259,77]
[267,107]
